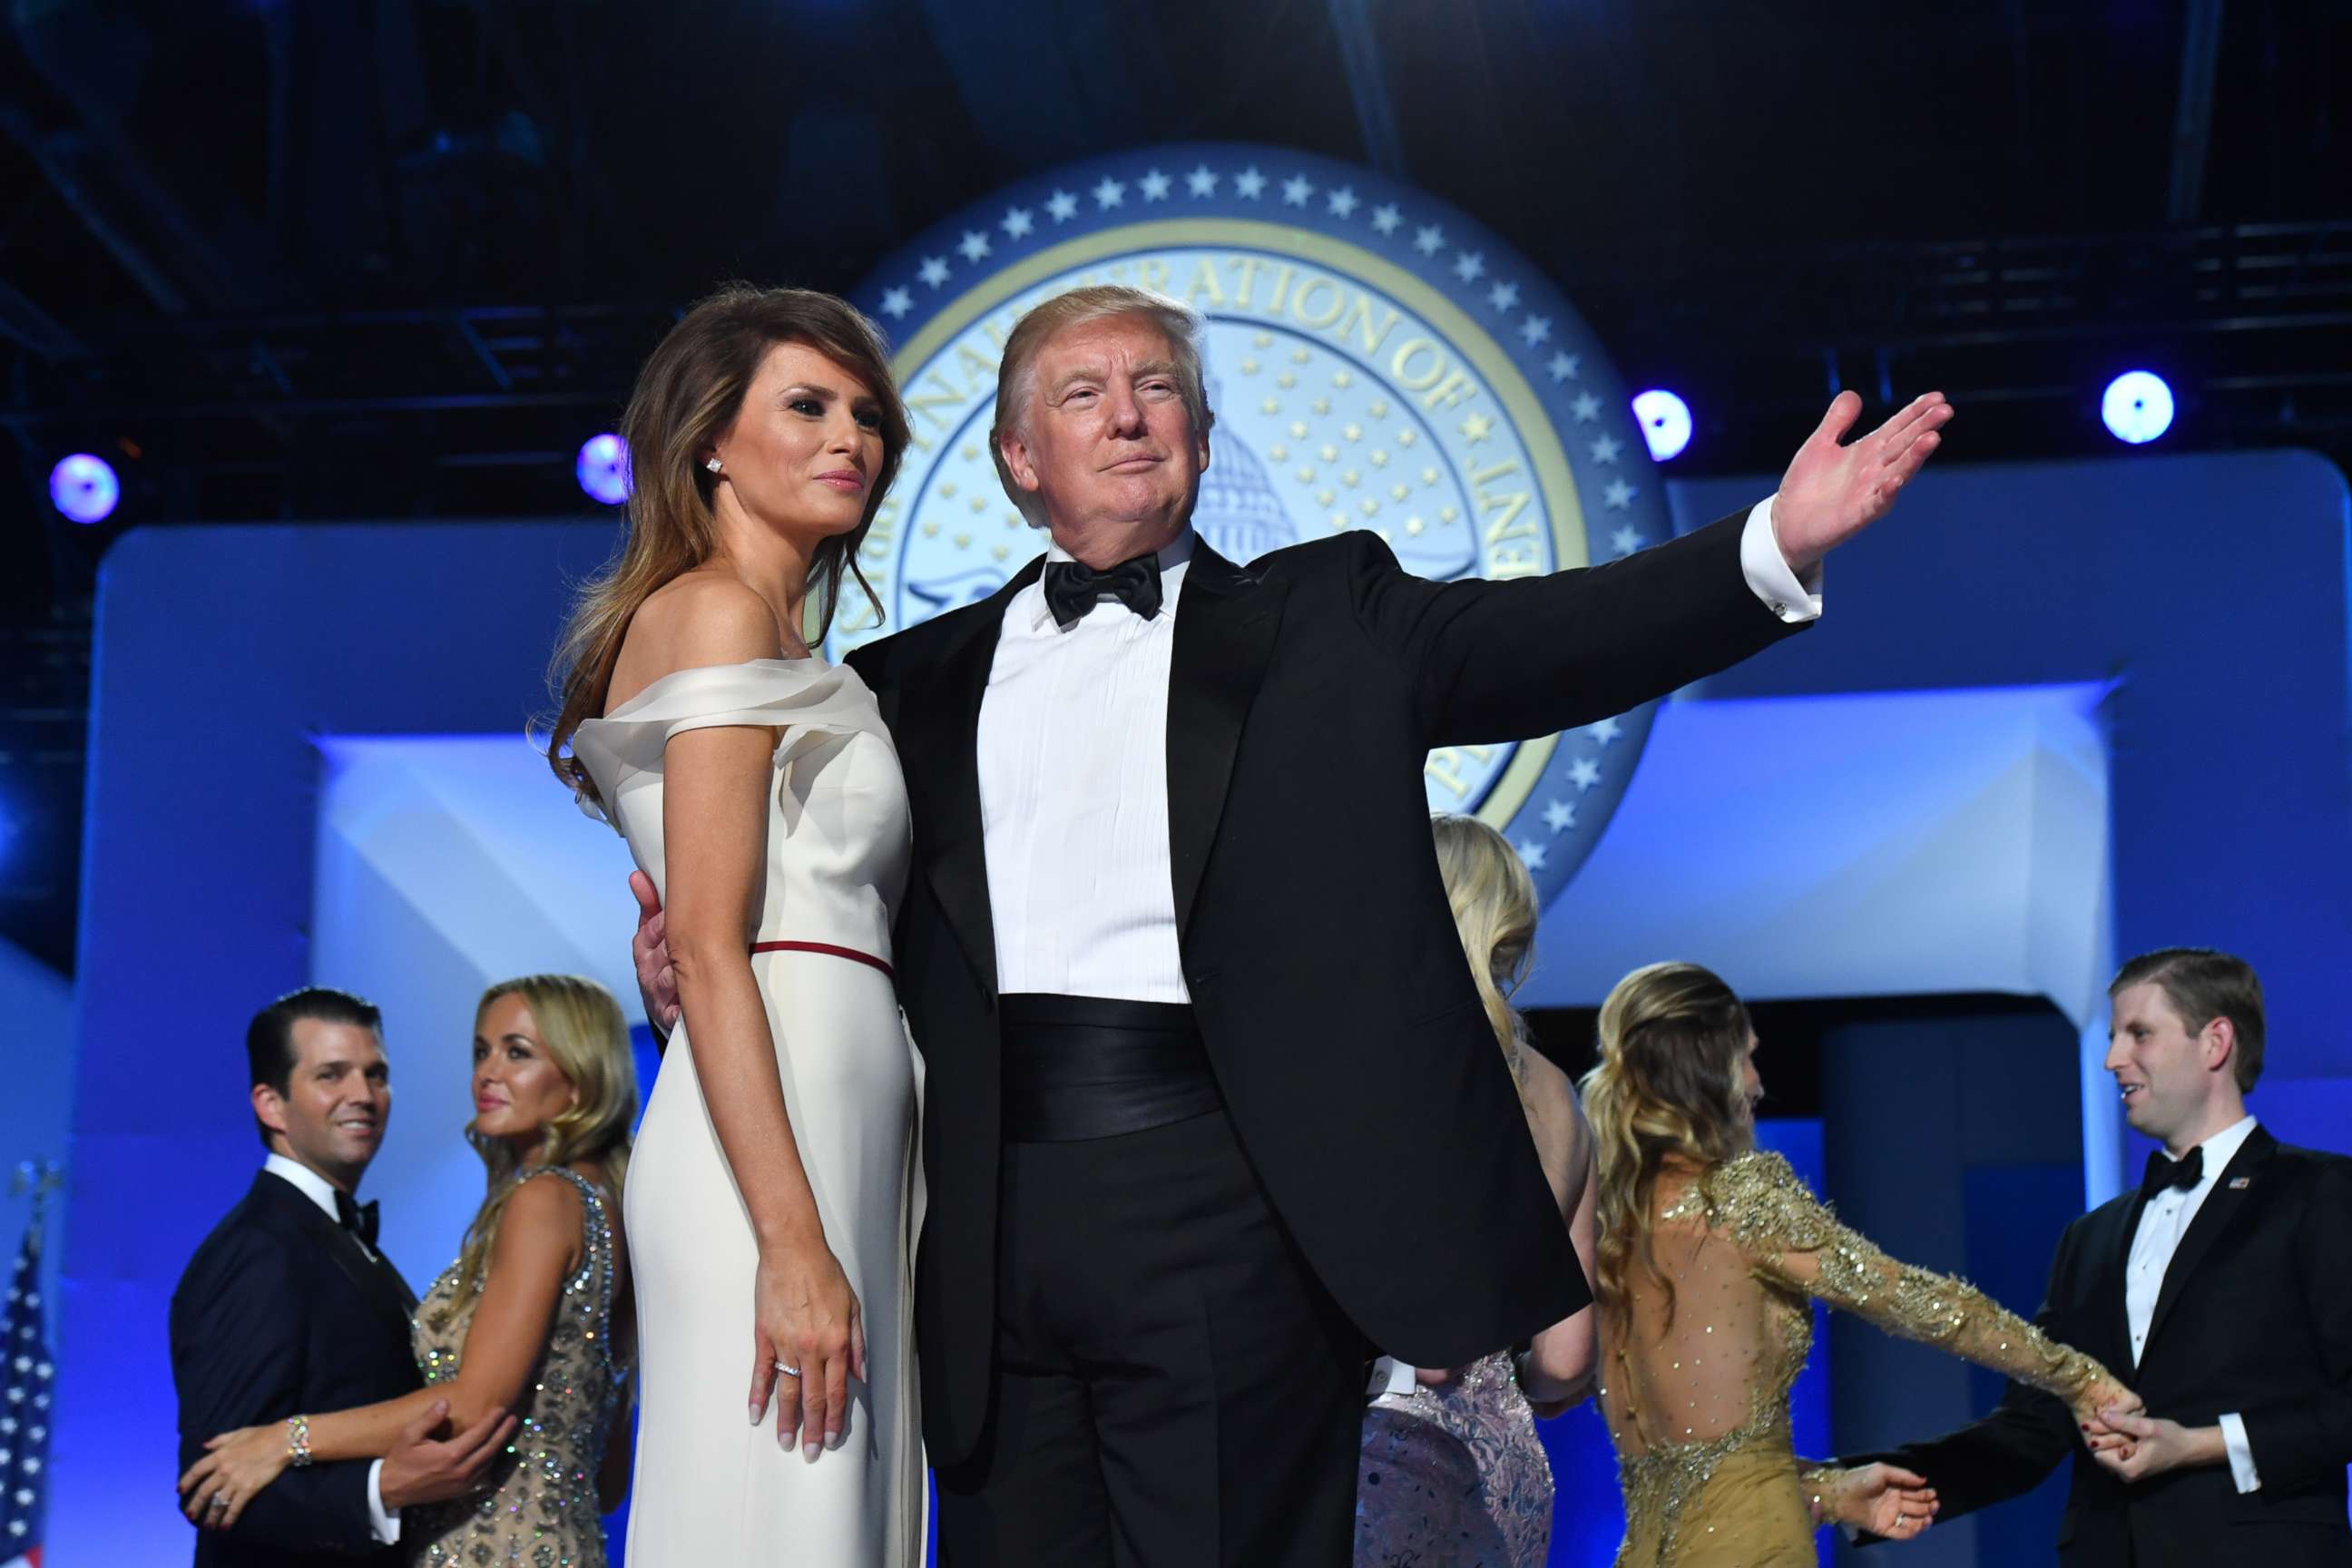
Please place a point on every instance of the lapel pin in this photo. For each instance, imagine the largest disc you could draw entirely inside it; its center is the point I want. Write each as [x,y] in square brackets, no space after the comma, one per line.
[2239,1184]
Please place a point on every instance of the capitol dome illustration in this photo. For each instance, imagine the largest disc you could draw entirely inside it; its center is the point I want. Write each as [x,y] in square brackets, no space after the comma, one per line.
[1238,512]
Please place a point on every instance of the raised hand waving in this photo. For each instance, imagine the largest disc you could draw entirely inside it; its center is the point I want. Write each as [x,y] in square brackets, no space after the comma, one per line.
[1833,491]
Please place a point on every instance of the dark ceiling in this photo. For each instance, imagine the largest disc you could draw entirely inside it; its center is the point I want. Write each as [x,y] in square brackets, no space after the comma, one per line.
[332,258]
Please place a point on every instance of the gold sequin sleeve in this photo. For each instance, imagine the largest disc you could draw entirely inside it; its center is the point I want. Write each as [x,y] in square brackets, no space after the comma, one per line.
[1792,1239]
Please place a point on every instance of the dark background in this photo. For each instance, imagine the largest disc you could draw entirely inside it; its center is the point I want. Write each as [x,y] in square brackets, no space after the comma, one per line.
[324,260]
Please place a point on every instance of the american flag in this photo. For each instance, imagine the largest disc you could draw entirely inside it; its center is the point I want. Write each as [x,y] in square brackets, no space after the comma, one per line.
[26,1368]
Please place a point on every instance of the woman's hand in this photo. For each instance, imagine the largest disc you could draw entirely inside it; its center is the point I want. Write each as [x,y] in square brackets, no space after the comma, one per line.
[1883,1500]
[2096,1398]
[808,1340]
[236,1466]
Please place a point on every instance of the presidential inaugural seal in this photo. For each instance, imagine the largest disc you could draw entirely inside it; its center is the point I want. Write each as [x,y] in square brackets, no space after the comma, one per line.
[1376,359]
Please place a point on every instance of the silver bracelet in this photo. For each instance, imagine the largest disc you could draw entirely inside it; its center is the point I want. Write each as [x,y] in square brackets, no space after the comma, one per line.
[298,1441]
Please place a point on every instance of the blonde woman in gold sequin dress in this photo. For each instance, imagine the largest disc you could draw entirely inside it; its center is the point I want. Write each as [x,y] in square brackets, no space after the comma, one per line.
[533,1317]
[1710,1252]
[1451,1469]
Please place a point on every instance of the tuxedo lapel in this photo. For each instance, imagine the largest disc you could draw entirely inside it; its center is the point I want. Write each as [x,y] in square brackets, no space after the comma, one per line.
[1225,625]
[2235,1187]
[374,1279]
[940,718]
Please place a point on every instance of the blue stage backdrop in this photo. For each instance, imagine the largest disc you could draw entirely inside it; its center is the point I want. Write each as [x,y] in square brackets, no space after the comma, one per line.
[2163,636]
[37,1003]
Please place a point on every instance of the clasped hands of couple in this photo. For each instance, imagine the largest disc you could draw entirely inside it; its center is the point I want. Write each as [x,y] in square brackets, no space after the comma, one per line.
[1891,1501]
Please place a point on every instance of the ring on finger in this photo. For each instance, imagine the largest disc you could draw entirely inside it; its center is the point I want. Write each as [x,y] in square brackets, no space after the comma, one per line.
[788,1371]
[219,1501]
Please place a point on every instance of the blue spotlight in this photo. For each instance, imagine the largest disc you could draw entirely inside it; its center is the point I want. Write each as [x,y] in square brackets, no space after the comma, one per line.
[84,488]
[2137,407]
[604,469]
[1665,422]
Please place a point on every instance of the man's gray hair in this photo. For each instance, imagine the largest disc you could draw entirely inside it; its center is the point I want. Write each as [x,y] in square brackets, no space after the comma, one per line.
[1016,375]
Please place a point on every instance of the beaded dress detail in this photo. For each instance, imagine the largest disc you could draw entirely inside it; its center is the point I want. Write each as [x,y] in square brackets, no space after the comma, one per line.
[1696,1393]
[540,1508]
[1453,1475]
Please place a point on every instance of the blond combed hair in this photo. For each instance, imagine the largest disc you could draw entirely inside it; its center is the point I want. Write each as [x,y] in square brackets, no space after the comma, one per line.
[587,1037]
[686,399]
[1495,909]
[1668,1085]
[1016,373]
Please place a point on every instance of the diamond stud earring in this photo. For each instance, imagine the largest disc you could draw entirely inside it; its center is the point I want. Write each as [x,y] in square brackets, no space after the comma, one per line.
[712,463]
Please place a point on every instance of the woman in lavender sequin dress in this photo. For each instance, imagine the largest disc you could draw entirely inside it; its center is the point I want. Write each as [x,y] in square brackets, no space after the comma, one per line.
[1451,1469]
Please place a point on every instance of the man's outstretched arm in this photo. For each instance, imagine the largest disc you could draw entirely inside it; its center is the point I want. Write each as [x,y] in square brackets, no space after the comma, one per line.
[1497,660]
[2004,1454]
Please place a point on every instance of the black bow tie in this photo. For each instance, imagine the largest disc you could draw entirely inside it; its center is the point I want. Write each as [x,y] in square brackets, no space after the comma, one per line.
[359,1218]
[1073,588]
[2166,1172]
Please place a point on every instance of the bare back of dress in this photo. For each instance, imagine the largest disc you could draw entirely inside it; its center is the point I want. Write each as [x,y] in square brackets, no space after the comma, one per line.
[1697,1369]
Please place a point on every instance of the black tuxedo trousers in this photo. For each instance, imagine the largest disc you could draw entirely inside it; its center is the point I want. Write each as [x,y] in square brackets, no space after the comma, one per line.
[282,1313]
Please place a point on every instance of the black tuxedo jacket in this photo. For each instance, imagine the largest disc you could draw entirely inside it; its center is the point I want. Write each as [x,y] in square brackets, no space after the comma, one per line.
[2255,1318]
[1305,695]
[281,1313]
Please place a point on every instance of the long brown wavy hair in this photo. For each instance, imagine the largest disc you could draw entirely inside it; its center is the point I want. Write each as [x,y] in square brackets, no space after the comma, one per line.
[1494,908]
[1668,1084]
[587,1039]
[686,397]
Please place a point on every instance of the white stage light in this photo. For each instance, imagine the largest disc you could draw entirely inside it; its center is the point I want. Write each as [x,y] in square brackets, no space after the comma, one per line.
[1665,422]
[604,469]
[2137,407]
[84,488]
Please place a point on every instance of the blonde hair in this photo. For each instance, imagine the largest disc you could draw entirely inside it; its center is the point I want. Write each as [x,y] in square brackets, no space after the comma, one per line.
[1668,1086]
[587,1039]
[686,397]
[1016,373]
[1495,909]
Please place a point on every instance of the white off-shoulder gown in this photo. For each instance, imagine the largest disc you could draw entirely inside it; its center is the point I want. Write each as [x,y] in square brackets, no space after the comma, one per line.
[711,1488]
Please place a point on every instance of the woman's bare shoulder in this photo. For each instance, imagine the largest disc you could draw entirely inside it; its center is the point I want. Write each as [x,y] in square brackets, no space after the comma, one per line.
[546,1203]
[707,617]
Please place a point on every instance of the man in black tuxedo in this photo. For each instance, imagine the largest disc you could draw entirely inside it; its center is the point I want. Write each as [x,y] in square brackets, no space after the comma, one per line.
[288,1308]
[2217,1290]
[1199,1037]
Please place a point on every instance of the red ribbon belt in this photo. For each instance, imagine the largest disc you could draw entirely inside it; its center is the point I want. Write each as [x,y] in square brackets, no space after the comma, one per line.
[827,948]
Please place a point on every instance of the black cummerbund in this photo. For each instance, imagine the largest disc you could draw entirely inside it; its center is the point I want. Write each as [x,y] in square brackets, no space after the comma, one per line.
[1078,1067]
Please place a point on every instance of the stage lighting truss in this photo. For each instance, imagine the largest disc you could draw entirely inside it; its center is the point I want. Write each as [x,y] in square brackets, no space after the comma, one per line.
[482,410]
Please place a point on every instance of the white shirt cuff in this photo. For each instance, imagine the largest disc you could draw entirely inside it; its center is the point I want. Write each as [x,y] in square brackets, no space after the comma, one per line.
[1391,1375]
[1769,576]
[384,1522]
[2242,1454]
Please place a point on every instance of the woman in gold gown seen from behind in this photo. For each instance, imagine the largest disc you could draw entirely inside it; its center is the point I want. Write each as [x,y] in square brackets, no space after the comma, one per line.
[1709,1251]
